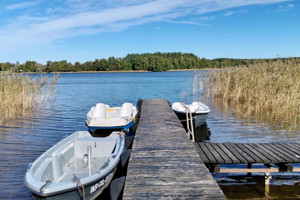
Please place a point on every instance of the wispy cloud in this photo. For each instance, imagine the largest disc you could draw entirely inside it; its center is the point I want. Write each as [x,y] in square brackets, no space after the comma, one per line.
[84,17]
[285,7]
[205,18]
[21,5]
[228,13]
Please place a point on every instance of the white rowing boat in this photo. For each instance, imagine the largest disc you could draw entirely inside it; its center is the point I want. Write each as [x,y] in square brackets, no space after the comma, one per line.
[78,167]
[198,110]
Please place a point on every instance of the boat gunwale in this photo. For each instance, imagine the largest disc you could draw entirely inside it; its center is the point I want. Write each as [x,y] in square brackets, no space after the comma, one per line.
[71,189]
[126,126]
[197,112]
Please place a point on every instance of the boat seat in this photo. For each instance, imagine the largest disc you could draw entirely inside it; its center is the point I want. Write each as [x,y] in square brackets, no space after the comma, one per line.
[103,148]
[61,158]
[126,110]
[99,111]
[45,165]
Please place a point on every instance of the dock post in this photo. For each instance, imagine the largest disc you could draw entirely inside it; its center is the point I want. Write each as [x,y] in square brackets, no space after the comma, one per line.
[267,182]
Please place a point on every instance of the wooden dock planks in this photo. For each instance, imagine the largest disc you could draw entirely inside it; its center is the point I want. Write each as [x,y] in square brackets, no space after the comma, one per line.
[164,163]
[249,153]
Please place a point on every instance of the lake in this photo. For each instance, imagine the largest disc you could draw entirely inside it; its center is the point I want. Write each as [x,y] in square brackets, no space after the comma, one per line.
[24,139]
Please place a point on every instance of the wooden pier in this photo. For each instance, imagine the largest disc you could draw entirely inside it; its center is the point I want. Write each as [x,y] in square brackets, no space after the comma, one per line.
[250,153]
[164,163]
[277,157]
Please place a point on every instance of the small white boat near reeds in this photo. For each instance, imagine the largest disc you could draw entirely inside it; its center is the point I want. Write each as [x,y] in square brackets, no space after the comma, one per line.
[198,110]
[78,167]
[102,116]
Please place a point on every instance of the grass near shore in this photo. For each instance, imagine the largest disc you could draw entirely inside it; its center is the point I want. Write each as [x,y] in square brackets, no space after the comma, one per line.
[269,90]
[20,93]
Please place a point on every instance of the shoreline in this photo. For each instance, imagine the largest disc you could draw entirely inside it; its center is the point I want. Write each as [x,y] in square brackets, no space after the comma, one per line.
[115,71]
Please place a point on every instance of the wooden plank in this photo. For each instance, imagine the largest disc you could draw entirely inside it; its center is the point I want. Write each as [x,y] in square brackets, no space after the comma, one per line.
[247,170]
[215,153]
[294,149]
[208,154]
[268,154]
[249,153]
[223,154]
[233,151]
[262,157]
[200,152]
[296,145]
[233,158]
[237,152]
[284,151]
[247,157]
[280,157]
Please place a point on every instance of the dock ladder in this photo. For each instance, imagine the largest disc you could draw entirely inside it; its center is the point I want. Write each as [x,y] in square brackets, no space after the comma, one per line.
[189,122]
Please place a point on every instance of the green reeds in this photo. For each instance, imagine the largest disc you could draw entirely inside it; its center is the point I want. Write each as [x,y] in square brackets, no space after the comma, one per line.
[20,93]
[269,90]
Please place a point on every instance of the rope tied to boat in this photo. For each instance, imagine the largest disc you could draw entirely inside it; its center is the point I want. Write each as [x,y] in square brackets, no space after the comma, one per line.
[48,182]
[78,184]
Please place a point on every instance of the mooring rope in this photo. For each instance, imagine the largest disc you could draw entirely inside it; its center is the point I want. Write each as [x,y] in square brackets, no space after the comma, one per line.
[78,183]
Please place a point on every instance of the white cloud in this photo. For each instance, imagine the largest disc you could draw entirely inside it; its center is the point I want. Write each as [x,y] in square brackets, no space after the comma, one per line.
[205,18]
[285,7]
[92,17]
[290,5]
[243,11]
[228,13]
[21,5]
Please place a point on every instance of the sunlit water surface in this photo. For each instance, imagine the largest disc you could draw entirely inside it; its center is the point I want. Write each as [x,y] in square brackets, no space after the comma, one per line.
[24,139]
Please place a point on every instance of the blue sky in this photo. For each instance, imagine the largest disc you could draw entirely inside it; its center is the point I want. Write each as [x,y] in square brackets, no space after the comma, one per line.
[83,30]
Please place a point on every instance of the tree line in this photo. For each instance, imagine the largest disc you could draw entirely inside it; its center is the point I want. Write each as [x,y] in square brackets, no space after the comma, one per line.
[146,62]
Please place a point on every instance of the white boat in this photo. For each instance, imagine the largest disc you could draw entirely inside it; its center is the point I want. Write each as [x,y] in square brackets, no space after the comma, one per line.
[198,110]
[78,167]
[101,116]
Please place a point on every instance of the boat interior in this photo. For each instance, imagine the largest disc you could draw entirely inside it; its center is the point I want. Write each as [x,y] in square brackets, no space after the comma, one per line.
[81,158]
[103,111]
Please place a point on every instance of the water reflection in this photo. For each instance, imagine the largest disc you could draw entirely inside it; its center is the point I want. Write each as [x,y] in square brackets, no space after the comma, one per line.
[282,186]
[202,132]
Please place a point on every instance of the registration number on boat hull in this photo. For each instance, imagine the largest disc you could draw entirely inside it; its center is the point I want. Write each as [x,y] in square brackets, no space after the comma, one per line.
[101,183]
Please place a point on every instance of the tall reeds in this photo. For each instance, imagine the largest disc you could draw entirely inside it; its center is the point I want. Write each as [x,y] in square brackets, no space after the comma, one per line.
[269,90]
[20,93]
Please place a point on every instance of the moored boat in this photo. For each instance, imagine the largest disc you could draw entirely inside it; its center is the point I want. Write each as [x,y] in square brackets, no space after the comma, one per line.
[78,167]
[101,116]
[198,110]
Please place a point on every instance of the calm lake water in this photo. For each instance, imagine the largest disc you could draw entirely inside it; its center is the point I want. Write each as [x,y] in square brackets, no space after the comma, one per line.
[24,139]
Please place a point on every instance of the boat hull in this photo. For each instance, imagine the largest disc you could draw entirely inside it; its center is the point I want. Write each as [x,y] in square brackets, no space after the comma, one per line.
[91,190]
[117,127]
[198,118]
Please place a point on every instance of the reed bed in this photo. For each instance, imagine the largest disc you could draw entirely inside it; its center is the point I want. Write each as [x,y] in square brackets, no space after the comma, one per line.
[20,93]
[268,90]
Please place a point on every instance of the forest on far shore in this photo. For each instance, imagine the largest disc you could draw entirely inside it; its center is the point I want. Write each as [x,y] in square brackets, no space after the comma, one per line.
[147,62]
